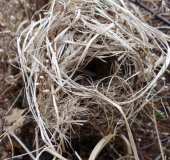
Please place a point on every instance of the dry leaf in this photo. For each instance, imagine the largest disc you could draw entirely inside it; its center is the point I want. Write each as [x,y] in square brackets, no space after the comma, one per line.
[14,121]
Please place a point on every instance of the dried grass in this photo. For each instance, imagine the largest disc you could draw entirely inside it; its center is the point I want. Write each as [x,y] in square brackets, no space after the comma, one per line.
[89,61]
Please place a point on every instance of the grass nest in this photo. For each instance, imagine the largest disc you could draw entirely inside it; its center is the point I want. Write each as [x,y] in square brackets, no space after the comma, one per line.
[90,63]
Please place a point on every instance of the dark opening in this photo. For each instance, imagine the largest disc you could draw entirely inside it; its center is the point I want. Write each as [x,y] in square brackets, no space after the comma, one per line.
[98,69]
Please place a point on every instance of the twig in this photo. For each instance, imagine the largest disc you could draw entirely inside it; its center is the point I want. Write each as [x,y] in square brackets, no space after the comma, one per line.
[159,11]
[154,14]
[154,143]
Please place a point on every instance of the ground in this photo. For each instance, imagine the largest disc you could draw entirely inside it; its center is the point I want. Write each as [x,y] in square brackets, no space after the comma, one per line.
[13,101]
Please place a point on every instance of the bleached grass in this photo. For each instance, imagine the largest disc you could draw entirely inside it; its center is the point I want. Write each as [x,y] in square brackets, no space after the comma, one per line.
[104,141]
[23,145]
[63,83]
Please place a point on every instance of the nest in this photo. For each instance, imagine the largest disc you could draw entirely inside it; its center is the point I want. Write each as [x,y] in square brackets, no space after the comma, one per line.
[89,62]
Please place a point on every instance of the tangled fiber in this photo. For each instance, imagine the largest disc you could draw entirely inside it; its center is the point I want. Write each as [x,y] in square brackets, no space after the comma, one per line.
[89,62]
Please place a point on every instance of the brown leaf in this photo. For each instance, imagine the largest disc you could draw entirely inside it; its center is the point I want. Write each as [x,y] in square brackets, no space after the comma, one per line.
[14,121]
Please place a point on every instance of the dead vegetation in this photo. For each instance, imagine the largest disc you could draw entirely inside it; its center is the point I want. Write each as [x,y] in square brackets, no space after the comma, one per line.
[95,79]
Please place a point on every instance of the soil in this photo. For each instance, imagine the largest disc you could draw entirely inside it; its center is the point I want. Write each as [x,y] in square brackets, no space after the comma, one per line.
[12,14]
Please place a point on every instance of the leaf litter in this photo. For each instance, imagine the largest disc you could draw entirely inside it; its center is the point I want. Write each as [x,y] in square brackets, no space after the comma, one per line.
[90,63]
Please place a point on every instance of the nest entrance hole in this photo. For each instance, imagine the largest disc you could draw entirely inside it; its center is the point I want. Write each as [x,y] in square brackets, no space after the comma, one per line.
[99,68]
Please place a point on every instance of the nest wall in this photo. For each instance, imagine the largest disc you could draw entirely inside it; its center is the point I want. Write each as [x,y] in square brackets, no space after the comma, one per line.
[89,62]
